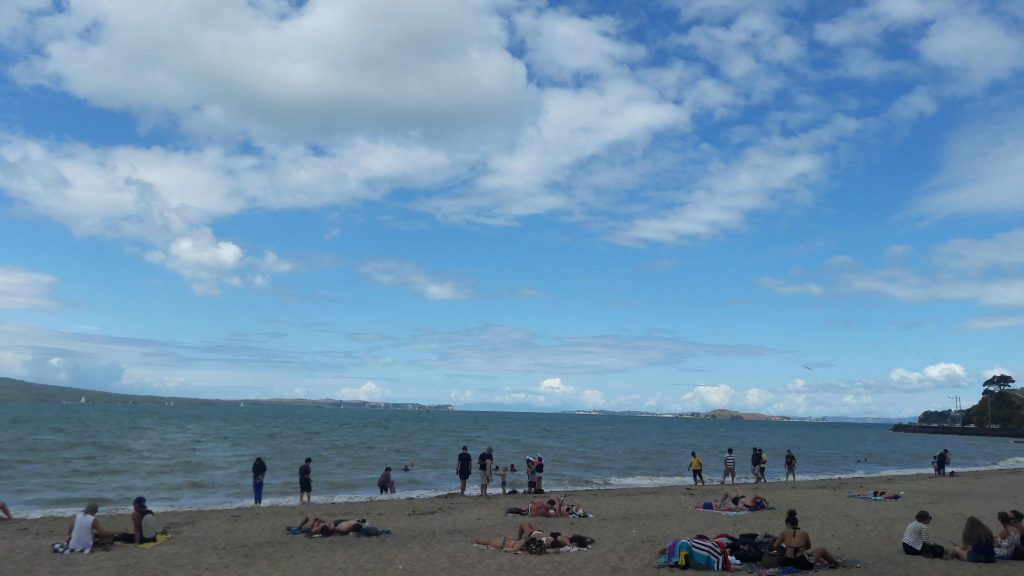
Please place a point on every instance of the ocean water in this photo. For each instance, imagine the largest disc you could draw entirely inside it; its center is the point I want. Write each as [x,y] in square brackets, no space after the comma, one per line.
[57,457]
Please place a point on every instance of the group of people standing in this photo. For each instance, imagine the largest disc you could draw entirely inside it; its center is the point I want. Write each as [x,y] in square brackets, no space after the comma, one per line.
[758,463]
[487,470]
[940,461]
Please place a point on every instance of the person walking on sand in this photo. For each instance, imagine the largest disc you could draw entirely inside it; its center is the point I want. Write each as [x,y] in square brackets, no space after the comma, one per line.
[464,468]
[697,467]
[306,482]
[5,511]
[762,464]
[485,464]
[259,470]
[755,465]
[730,466]
[790,465]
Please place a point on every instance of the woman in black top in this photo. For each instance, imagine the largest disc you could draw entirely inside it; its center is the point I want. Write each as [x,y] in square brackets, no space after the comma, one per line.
[796,547]
[259,470]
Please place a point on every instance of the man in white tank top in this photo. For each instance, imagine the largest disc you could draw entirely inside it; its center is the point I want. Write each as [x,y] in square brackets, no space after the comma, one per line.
[86,532]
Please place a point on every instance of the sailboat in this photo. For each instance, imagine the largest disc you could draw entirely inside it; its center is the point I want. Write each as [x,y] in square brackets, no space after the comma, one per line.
[82,401]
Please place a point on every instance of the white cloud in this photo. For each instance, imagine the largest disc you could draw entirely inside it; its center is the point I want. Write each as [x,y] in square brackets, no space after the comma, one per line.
[708,397]
[945,371]
[412,277]
[993,322]
[977,49]
[797,385]
[438,68]
[981,171]
[25,290]
[996,371]
[555,386]
[941,375]
[368,392]
[781,287]
[758,399]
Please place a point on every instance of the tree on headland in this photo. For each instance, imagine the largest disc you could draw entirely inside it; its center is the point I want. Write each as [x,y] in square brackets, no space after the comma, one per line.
[997,384]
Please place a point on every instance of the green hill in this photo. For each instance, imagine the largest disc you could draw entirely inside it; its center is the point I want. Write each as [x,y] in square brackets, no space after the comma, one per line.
[12,390]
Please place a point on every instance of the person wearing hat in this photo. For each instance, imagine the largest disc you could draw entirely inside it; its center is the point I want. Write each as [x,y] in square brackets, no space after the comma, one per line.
[144,525]
[916,541]
[306,482]
[85,531]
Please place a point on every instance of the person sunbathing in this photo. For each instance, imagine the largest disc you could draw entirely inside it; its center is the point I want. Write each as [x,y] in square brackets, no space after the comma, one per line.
[530,539]
[880,494]
[318,525]
[550,508]
[734,501]
[795,546]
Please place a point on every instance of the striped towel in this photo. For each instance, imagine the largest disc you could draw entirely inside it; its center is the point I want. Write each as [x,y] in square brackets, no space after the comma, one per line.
[703,554]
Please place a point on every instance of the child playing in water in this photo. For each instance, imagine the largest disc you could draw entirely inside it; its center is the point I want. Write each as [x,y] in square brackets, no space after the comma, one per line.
[503,474]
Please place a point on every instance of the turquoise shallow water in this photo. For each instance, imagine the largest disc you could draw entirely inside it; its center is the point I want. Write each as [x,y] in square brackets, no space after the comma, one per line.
[56,457]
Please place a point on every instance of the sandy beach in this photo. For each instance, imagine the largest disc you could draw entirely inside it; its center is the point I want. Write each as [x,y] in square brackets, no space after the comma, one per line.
[436,535]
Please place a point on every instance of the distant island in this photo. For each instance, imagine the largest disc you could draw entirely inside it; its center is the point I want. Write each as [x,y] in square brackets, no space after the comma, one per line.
[12,390]
[719,414]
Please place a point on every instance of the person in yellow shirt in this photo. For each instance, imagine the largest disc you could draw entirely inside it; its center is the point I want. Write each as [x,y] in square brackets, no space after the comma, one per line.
[696,466]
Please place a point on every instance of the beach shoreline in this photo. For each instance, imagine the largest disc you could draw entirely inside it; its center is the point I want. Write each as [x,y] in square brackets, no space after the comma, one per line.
[435,534]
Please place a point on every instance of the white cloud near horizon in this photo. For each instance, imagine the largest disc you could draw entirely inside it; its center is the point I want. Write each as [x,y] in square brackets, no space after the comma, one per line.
[368,392]
[22,289]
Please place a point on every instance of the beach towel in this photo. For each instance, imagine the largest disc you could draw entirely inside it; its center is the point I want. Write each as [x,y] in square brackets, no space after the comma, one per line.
[294,530]
[734,512]
[876,498]
[62,548]
[696,553]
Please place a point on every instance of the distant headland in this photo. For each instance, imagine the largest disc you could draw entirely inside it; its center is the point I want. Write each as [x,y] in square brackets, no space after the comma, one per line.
[12,390]
[719,414]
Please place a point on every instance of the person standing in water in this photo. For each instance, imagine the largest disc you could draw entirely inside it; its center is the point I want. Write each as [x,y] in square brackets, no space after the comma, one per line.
[259,470]
[306,482]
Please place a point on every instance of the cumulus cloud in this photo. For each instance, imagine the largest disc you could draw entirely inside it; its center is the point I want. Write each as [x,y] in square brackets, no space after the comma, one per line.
[555,386]
[996,371]
[25,290]
[368,392]
[943,374]
[708,397]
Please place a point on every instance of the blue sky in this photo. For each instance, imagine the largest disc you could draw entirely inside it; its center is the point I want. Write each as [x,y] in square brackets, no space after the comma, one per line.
[787,207]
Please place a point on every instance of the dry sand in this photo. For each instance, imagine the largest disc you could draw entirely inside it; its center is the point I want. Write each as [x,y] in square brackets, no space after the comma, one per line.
[436,535]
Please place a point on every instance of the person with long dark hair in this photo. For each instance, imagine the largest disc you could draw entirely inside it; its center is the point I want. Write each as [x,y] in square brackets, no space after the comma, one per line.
[259,471]
[795,545]
[978,543]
